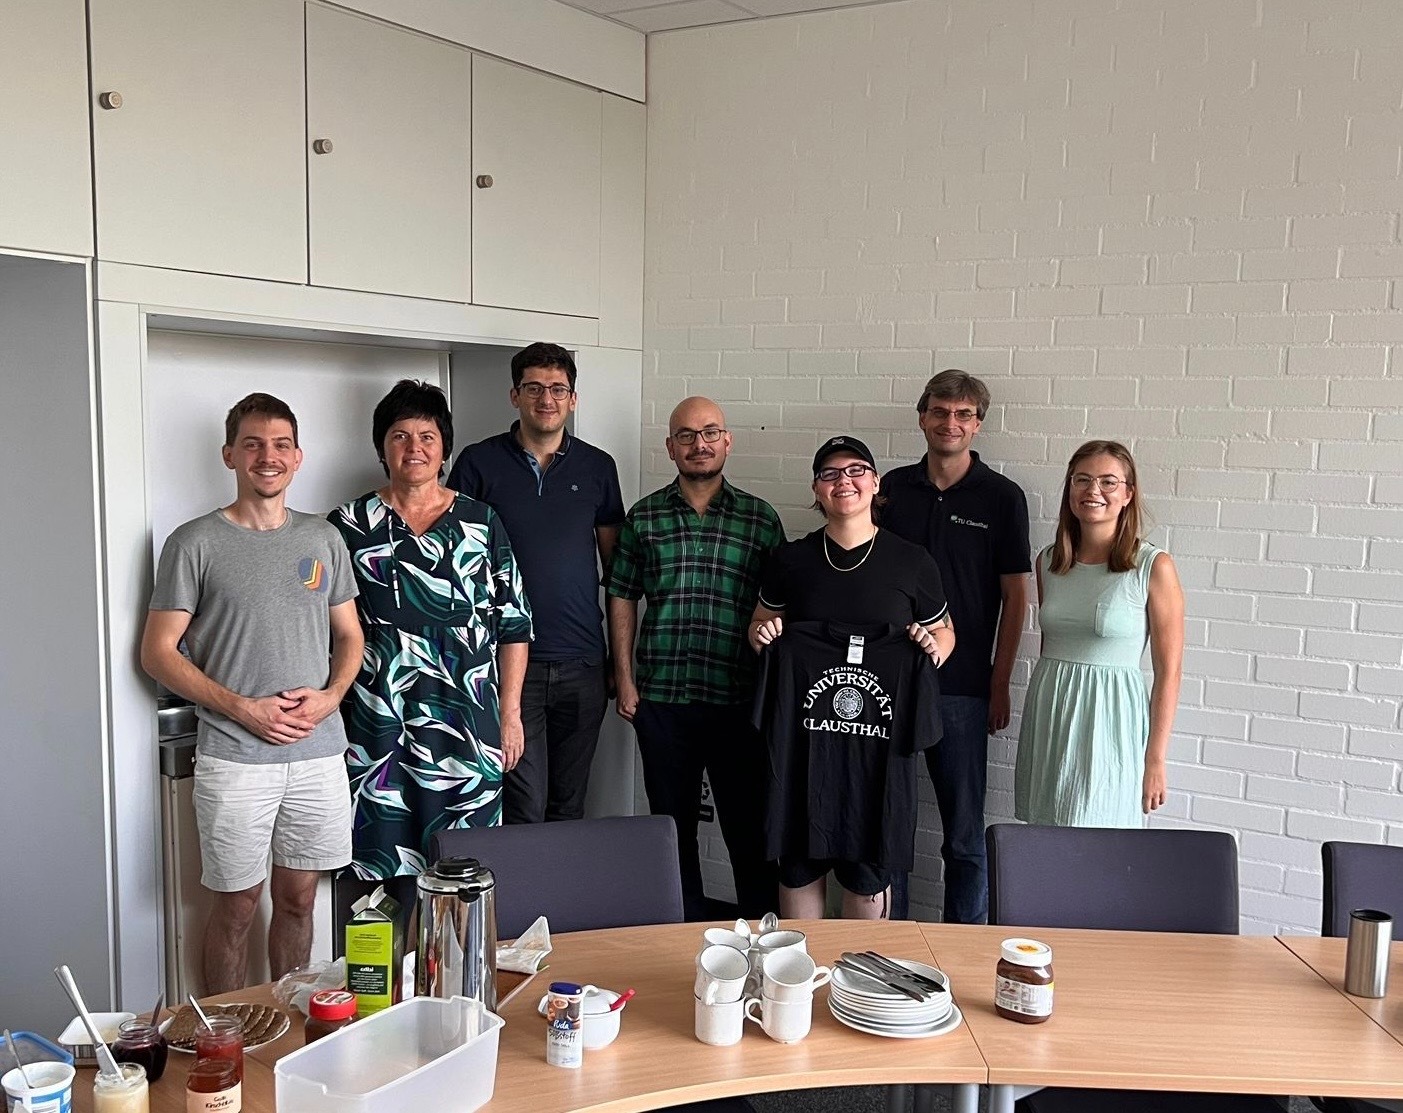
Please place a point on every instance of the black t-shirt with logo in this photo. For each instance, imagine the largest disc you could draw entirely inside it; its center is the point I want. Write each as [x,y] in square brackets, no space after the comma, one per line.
[977,531]
[844,710]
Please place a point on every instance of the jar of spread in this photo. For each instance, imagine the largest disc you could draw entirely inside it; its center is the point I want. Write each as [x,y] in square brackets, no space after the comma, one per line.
[328,1011]
[143,1043]
[126,1092]
[1023,981]
[213,1086]
[222,1038]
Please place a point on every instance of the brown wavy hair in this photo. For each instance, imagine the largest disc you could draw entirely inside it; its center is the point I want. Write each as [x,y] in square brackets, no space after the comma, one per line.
[1127,539]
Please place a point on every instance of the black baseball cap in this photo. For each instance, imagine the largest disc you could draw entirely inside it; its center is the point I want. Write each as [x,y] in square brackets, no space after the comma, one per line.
[842,444]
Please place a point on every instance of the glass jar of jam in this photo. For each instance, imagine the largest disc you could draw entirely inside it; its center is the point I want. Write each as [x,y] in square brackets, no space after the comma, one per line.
[222,1039]
[328,1011]
[1023,981]
[213,1086]
[126,1093]
[143,1043]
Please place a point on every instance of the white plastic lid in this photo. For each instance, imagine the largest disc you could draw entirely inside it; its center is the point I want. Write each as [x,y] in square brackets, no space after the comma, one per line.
[1027,952]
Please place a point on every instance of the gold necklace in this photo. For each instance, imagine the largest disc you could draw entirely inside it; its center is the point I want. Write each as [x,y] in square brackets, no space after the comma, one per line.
[871,544]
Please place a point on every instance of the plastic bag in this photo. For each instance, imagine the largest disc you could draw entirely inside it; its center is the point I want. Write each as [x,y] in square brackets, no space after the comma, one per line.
[295,988]
[526,954]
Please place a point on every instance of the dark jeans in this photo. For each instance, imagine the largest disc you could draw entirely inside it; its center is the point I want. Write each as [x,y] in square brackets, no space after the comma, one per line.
[562,706]
[677,741]
[959,770]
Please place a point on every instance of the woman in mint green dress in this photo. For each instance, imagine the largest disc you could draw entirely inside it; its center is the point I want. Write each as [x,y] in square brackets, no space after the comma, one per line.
[1092,745]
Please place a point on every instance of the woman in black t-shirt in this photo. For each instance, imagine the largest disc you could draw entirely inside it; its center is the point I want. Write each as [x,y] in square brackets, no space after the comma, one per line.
[849,571]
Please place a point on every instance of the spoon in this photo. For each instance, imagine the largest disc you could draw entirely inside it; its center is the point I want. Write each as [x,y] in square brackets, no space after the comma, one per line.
[201,1014]
[107,1066]
[28,1085]
[769,922]
[623,1000]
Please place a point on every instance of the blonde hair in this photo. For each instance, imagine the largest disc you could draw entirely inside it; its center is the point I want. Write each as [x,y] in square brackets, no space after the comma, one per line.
[1127,539]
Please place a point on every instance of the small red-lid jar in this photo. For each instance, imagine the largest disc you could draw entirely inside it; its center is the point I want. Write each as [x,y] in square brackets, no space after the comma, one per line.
[328,1011]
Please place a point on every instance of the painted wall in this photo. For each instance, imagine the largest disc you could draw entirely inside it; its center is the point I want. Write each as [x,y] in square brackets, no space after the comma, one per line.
[1174,222]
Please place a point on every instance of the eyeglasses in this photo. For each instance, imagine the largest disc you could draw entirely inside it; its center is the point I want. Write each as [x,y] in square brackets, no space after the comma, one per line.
[852,471]
[558,391]
[1106,484]
[711,434]
[963,416]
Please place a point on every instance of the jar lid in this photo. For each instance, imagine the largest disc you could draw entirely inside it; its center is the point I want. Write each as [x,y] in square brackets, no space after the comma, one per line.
[1027,952]
[567,989]
[332,1004]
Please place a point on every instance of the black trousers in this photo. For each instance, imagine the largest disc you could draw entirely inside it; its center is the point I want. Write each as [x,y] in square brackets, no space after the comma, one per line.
[677,741]
[562,707]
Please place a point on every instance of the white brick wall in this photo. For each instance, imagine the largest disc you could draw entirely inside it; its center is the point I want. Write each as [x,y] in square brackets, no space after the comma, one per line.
[1174,222]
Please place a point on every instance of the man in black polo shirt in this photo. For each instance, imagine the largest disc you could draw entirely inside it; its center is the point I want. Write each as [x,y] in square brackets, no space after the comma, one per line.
[560,501]
[974,521]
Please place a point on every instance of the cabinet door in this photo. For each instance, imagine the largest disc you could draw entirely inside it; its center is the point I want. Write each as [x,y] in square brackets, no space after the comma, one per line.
[388,119]
[45,160]
[536,227]
[201,167]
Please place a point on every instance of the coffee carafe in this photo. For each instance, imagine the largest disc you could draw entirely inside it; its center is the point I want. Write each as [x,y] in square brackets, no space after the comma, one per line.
[456,949]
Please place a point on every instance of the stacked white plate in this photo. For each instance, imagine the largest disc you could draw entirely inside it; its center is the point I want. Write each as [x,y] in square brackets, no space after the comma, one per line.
[868,1005]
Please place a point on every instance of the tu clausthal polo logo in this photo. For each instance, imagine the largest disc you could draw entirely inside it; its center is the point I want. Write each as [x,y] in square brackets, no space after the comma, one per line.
[312,573]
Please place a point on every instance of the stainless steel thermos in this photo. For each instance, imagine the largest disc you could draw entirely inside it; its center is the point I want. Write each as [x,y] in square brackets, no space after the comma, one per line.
[456,948]
[1366,953]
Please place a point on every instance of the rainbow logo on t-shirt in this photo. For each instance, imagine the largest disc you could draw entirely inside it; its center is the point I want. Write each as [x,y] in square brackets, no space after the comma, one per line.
[312,573]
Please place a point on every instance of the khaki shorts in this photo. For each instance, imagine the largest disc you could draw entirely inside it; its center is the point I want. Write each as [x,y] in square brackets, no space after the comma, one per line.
[299,809]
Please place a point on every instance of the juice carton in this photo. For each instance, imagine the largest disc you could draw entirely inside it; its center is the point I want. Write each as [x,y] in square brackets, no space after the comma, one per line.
[374,952]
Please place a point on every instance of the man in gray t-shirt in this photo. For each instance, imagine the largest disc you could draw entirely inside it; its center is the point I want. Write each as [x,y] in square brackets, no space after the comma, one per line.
[263,599]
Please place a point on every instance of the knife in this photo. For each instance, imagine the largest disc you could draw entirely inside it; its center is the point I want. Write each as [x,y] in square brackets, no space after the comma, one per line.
[859,965]
[929,984]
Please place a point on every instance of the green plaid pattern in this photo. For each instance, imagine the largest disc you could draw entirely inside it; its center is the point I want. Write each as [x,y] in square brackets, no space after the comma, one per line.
[701,576]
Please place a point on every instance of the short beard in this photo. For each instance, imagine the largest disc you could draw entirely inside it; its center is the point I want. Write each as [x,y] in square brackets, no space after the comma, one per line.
[699,475]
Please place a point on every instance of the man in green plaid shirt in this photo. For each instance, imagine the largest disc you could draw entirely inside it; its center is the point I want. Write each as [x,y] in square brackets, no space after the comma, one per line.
[695,550]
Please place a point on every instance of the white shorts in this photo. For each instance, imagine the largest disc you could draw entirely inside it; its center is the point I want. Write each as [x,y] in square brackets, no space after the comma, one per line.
[301,809]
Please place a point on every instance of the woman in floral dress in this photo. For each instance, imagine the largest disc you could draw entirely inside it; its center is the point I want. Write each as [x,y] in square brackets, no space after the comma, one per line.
[434,717]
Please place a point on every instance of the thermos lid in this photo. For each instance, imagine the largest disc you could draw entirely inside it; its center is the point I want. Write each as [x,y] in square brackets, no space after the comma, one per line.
[457,875]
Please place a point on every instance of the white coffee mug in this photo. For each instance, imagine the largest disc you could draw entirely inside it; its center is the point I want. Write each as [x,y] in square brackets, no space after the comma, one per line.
[782,1021]
[719,1024]
[772,942]
[725,937]
[721,974]
[791,975]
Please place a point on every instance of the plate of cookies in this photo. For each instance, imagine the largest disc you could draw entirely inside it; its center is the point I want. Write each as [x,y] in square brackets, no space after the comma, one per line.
[262,1024]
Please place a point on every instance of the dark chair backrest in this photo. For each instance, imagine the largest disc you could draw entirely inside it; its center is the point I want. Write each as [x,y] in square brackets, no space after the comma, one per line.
[1359,875]
[579,873]
[1096,877]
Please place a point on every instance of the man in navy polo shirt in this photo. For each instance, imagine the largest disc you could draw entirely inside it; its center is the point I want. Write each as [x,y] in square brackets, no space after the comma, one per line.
[559,498]
[974,521]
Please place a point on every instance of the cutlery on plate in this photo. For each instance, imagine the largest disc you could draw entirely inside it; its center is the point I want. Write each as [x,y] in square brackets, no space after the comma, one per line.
[895,967]
[853,962]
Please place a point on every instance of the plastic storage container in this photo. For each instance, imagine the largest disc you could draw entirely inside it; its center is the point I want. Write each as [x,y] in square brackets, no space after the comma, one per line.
[424,1053]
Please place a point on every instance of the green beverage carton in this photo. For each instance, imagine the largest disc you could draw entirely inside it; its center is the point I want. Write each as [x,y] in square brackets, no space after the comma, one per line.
[374,952]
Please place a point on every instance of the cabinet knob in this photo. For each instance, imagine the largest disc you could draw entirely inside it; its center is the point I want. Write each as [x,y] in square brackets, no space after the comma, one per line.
[110,100]
[484,181]
[321,146]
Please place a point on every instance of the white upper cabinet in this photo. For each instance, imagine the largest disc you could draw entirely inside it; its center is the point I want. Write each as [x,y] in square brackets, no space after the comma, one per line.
[198,132]
[45,165]
[536,226]
[389,115]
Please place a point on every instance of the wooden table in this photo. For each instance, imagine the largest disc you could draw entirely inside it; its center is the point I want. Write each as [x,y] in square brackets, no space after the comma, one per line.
[1327,958]
[1134,1010]
[657,1061]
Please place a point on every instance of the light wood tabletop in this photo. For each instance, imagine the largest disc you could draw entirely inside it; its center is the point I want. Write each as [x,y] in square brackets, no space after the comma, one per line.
[656,1061]
[1160,1011]
[1327,958]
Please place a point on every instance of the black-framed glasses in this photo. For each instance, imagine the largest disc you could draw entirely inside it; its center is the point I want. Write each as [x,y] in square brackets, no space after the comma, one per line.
[1106,484]
[852,471]
[558,391]
[711,434]
[964,416]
